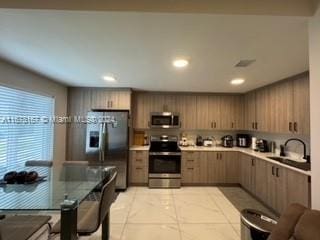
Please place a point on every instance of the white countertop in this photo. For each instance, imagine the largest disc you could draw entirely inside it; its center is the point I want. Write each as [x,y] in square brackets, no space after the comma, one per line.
[248,151]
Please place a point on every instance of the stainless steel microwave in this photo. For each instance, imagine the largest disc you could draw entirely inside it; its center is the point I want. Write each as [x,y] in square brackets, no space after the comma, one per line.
[164,120]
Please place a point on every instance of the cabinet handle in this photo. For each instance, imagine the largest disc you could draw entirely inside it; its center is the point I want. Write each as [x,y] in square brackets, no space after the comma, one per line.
[295,126]
[232,124]
[111,102]
[252,162]
[272,170]
[215,125]
[138,168]
[139,160]
[290,126]
[191,168]
[256,125]
[190,160]
[253,125]
[217,155]
[277,172]
[211,124]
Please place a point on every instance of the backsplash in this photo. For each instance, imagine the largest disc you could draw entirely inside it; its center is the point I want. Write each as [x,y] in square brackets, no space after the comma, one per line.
[294,149]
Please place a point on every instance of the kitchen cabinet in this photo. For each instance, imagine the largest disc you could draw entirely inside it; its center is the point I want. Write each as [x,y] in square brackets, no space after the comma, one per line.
[260,176]
[186,107]
[141,110]
[216,168]
[276,187]
[138,167]
[298,188]
[231,112]
[194,168]
[202,112]
[281,99]
[79,103]
[301,106]
[250,121]
[247,173]
[263,109]
[163,103]
[223,167]
[102,98]
[214,106]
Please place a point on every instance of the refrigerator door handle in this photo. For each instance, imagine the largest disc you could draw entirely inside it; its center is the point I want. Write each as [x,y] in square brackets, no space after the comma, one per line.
[101,142]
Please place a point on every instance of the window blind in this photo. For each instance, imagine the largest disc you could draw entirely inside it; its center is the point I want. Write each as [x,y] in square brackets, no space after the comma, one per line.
[25,132]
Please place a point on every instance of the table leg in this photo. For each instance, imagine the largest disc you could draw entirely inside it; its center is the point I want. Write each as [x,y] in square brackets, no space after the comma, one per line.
[106,227]
[69,212]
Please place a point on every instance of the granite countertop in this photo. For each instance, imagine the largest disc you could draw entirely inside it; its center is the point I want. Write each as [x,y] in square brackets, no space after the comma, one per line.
[248,151]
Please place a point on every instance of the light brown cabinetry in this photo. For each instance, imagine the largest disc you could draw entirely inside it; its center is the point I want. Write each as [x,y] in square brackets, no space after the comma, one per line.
[194,167]
[141,110]
[301,106]
[203,112]
[102,98]
[214,109]
[298,188]
[263,109]
[250,121]
[231,112]
[216,168]
[138,167]
[187,107]
[247,175]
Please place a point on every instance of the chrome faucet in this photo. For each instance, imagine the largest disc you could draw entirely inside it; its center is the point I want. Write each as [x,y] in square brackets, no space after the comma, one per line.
[305,156]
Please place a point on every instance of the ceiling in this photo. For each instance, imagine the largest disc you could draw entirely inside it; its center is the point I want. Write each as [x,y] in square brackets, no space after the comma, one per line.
[256,7]
[77,48]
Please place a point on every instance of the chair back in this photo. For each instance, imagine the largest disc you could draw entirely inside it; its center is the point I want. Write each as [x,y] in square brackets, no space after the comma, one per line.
[107,197]
[38,163]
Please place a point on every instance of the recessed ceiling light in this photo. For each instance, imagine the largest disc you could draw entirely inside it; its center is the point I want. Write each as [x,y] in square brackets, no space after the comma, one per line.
[109,78]
[180,63]
[237,81]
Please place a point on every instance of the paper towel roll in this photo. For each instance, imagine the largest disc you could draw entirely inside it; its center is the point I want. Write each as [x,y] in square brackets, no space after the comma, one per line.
[254,143]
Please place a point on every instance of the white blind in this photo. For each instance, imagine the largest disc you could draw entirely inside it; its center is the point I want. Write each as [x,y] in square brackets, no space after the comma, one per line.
[24,132]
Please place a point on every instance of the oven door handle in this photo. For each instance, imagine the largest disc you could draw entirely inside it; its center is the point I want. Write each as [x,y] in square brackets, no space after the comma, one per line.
[165,153]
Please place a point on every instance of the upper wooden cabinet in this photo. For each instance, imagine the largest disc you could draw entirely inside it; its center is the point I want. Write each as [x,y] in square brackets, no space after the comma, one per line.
[231,112]
[214,105]
[141,110]
[202,112]
[102,98]
[187,107]
[282,107]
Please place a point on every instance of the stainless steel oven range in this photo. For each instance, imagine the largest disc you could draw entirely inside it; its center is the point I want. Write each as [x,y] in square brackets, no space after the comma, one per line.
[164,162]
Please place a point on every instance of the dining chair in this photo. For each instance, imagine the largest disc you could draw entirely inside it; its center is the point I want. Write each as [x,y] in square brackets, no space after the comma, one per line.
[38,163]
[23,227]
[92,214]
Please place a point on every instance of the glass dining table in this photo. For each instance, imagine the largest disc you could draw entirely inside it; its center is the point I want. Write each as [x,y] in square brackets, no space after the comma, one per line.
[60,188]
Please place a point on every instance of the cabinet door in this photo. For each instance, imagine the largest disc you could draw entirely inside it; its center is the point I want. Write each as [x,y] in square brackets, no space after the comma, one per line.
[231,108]
[189,166]
[100,98]
[264,103]
[301,105]
[216,168]
[260,179]
[250,111]
[187,107]
[277,187]
[141,111]
[246,172]
[138,167]
[214,111]
[203,113]
[123,100]
[79,103]
[298,189]
[232,166]
[281,104]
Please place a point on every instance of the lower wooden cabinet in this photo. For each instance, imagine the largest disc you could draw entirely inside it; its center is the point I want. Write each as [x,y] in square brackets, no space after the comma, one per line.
[210,167]
[194,167]
[138,167]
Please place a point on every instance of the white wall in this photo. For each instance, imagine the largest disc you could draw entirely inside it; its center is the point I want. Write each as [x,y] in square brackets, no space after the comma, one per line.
[314,49]
[19,78]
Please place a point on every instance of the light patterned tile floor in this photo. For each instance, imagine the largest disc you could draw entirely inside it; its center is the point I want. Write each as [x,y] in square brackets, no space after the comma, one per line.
[189,213]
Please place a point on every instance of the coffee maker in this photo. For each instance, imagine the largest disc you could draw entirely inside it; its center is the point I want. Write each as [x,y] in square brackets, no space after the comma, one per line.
[243,140]
[262,145]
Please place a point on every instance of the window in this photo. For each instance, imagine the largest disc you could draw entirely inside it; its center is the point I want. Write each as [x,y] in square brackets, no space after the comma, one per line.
[25,132]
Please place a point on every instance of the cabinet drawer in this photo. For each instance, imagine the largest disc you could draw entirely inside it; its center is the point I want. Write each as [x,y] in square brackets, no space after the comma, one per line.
[138,174]
[139,158]
[190,155]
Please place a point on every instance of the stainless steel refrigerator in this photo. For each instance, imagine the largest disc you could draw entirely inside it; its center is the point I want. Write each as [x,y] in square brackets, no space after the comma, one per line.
[107,142]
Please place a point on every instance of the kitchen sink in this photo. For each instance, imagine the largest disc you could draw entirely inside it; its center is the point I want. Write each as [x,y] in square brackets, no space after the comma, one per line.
[279,159]
[301,165]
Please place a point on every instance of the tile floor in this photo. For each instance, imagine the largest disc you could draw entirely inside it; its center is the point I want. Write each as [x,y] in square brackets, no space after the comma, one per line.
[189,213]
